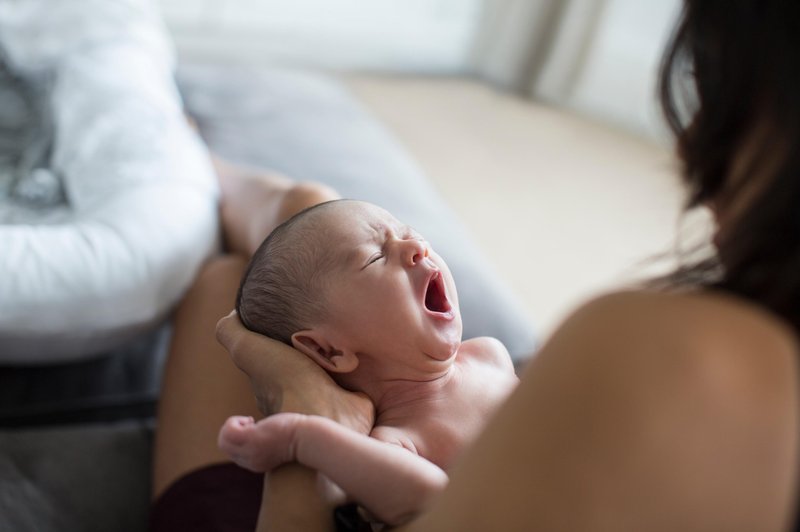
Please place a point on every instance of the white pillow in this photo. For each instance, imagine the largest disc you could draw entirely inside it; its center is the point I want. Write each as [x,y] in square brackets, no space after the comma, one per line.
[142,211]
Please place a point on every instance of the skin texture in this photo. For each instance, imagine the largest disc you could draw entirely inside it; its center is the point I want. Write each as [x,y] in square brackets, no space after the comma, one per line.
[295,497]
[377,327]
[647,412]
[431,392]
[398,468]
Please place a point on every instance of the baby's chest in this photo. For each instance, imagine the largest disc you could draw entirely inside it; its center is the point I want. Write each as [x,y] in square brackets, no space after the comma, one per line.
[439,441]
[477,394]
[451,423]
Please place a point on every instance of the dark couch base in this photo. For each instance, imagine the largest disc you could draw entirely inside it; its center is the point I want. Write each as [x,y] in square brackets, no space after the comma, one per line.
[83,478]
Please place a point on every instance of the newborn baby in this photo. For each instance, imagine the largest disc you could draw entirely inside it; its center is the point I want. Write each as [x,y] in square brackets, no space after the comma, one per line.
[366,297]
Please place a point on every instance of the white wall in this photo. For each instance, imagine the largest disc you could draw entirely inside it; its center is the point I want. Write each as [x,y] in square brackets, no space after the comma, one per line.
[395,35]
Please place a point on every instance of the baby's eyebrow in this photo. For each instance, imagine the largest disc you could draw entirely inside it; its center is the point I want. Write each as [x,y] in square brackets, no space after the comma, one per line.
[408,230]
[353,257]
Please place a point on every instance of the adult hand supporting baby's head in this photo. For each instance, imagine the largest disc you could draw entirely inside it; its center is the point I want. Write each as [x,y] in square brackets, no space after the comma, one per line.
[286,380]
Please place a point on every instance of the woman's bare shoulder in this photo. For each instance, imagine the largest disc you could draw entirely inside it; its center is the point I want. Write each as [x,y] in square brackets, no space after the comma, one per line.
[709,338]
[711,377]
[700,317]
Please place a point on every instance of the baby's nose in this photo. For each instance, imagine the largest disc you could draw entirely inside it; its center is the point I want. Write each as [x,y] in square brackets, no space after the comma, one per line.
[414,251]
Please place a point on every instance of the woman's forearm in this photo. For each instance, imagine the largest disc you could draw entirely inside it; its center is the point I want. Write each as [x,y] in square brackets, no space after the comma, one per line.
[293,501]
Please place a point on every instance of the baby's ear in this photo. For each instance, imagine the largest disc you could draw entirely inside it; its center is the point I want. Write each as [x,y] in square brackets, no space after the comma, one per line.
[316,346]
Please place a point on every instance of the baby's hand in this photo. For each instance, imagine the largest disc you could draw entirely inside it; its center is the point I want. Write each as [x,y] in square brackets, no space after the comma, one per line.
[262,446]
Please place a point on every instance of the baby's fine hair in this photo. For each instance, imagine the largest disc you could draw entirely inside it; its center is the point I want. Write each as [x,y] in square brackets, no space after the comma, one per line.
[281,290]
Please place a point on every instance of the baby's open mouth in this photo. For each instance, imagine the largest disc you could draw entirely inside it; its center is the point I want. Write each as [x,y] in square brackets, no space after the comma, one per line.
[435,296]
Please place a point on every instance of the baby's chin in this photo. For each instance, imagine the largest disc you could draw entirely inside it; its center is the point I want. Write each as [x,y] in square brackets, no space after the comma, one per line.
[445,351]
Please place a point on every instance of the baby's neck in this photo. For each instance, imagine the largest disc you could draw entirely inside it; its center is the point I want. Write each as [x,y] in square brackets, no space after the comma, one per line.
[397,394]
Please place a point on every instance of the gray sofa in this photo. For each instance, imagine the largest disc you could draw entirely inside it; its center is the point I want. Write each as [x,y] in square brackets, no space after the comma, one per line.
[75,438]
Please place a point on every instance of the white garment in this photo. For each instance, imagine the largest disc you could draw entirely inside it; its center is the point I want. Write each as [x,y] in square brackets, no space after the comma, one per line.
[141,214]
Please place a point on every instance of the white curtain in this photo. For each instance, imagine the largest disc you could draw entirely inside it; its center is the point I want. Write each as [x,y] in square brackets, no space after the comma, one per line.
[598,57]
[512,39]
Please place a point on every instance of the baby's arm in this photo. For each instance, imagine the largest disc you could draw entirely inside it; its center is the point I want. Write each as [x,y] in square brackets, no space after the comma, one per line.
[391,482]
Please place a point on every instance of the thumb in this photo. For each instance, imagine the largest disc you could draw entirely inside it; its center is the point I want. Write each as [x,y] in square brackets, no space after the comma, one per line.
[229,330]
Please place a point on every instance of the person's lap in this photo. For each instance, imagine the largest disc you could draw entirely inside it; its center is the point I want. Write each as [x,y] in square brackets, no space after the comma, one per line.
[201,387]
[217,497]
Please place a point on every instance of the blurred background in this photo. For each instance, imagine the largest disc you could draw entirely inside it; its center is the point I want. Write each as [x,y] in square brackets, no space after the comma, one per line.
[536,119]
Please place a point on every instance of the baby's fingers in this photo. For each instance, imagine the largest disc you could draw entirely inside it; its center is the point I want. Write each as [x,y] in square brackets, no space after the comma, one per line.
[235,431]
[259,447]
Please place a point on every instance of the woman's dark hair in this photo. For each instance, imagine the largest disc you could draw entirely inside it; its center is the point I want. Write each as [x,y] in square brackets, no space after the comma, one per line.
[730,90]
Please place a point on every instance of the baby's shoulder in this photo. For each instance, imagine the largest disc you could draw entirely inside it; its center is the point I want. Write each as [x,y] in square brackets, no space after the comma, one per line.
[485,350]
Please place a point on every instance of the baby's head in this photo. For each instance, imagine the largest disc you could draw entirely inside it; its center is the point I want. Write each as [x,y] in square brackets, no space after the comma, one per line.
[352,287]
[281,291]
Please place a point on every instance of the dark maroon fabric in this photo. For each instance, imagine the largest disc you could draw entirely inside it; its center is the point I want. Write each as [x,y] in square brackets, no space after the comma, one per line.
[217,498]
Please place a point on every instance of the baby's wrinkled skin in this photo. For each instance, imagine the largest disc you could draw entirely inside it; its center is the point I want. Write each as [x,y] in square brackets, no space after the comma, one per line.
[392,331]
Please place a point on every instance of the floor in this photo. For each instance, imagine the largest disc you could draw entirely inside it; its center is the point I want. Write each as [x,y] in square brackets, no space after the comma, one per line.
[563,207]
